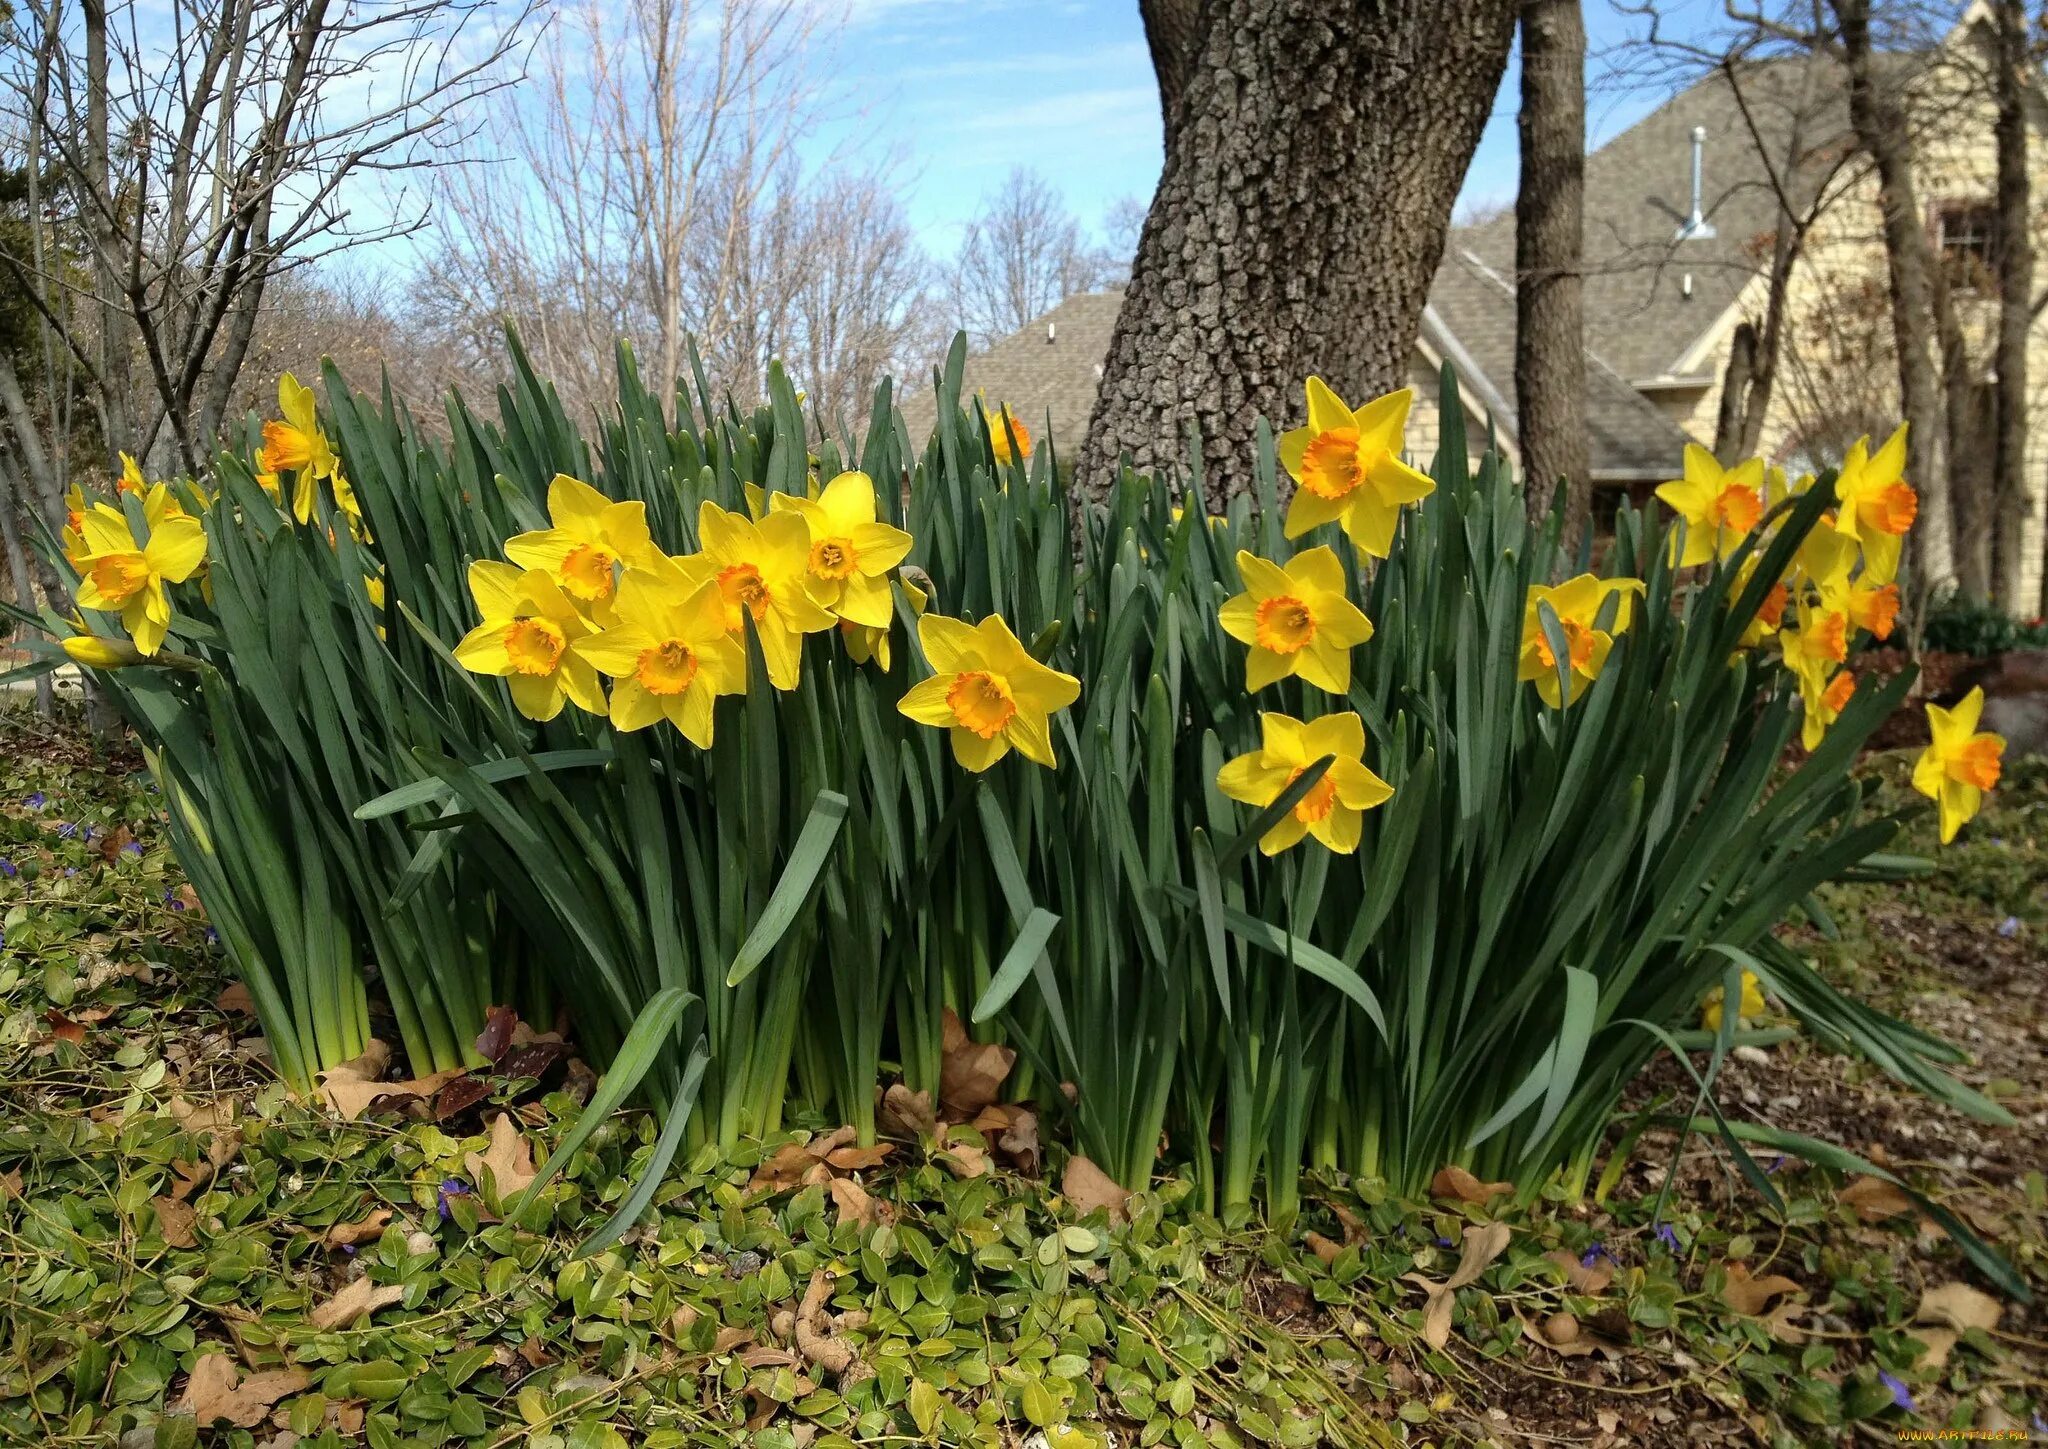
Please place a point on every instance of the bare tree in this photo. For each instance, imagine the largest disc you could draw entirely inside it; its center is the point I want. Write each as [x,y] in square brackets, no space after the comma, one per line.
[1550,223]
[1312,163]
[177,157]
[2012,82]
[1022,255]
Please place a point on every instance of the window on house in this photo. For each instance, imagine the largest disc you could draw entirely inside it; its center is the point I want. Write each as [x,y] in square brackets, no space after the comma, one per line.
[1967,234]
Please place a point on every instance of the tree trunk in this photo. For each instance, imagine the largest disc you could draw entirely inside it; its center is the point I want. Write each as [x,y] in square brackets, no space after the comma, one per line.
[1173,31]
[1733,413]
[1550,225]
[2012,488]
[1881,131]
[1299,218]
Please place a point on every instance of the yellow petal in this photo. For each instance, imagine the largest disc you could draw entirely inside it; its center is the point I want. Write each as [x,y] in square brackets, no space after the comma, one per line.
[976,754]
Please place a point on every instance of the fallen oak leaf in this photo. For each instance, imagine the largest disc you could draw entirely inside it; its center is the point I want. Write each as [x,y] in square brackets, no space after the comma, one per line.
[1936,1344]
[217,1390]
[792,1165]
[971,1073]
[357,1299]
[855,1159]
[1959,1306]
[854,1203]
[1751,1296]
[1483,1244]
[1579,1276]
[362,1230]
[508,1158]
[235,1000]
[1325,1249]
[175,1220]
[64,1028]
[350,1088]
[965,1159]
[1087,1187]
[908,1114]
[1873,1199]
[1460,1185]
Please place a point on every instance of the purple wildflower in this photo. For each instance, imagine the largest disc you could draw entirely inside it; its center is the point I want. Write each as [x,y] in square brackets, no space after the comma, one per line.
[1594,1254]
[212,936]
[8,868]
[1443,1242]
[1776,1163]
[171,900]
[71,870]
[1900,1396]
[36,801]
[1667,1237]
[348,1250]
[450,1187]
[133,847]
[2009,927]
[67,829]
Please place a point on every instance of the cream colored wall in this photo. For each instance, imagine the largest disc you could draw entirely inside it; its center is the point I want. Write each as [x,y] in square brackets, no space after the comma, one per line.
[1839,354]
[1425,416]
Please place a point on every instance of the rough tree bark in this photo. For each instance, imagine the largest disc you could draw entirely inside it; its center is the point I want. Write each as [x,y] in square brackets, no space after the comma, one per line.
[1173,31]
[1299,217]
[1880,125]
[2010,484]
[1550,224]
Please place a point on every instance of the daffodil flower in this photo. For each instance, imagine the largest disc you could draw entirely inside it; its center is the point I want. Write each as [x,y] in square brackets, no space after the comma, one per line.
[1770,613]
[760,570]
[1347,468]
[1751,1006]
[528,628]
[1577,603]
[130,480]
[101,653]
[1332,810]
[1003,426]
[591,537]
[118,575]
[296,443]
[1719,505]
[670,651]
[867,644]
[1959,763]
[847,568]
[1878,505]
[1297,620]
[1821,704]
[987,691]
[1813,648]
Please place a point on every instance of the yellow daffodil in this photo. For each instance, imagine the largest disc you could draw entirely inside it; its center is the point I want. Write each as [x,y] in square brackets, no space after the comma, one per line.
[74,516]
[1813,648]
[1577,603]
[1878,505]
[296,443]
[130,480]
[866,643]
[847,568]
[760,572]
[1719,505]
[592,536]
[1959,764]
[987,691]
[1821,704]
[1003,426]
[527,635]
[1770,613]
[670,651]
[1297,620]
[1331,811]
[1749,1008]
[1347,468]
[118,575]
[98,652]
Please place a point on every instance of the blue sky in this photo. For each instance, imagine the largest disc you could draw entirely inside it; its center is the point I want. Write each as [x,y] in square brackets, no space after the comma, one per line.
[962,90]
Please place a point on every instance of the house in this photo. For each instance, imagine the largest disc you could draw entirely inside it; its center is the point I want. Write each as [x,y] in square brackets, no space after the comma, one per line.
[1682,215]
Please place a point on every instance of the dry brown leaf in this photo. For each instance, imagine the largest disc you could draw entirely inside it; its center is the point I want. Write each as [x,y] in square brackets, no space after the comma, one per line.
[64,1028]
[211,1122]
[1560,1329]
[1959,1306]
[1781,1323]
[792,1165]
[1940,1343]
[971,1073]
[856,1159]
[908,1114]
[1873,1199]
[1460,1185]
[10,1184]
[509,1158]
[1014,1130]
[352,1087]
[1482,1245]
[853,1203]
[965,1159]
[357,1299]
[175,1220]
[216,1390]
[364,1229]
[1580,1278]
[236,1000]
[1088,1187]
[1325,1249]
[816,1330]
[1751,1296]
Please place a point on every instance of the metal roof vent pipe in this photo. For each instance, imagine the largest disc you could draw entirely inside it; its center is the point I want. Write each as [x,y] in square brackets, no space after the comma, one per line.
[1696,227]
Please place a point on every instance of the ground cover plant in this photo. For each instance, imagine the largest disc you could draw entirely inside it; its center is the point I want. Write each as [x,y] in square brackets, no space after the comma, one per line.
[1330,835]
[184,1234]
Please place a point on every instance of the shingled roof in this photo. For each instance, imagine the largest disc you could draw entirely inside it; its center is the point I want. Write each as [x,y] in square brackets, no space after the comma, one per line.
[1051,367]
